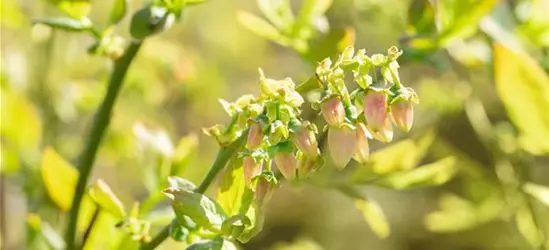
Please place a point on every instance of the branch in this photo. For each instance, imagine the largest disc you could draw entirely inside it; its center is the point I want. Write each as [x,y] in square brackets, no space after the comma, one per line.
[100,124]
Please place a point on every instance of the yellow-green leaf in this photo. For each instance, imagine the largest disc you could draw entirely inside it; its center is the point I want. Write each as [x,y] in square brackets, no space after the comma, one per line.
[21,125]
[432,174]
[102,194]
[59,178]
[527,226]
[231,190]
[541,193]
[402,155]
[261,28]
[74,8]
[523,87]
[374,216]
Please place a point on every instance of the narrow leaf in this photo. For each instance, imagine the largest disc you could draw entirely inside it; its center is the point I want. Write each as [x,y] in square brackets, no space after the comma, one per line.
[66,23]
[278,12]
[74,8]
[118,11]
[433,174]
[261,28]
[310,10]
[102,194]
[214,244]
[59,178]
[374,216]
[537,191]
[527,226]
[523,87]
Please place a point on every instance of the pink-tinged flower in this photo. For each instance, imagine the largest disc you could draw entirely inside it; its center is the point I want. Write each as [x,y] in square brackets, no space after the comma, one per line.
[402,112]
[252,168]
[362,149]
[305,141]
[375,110]
[263,191]
[286,164]
[385,134]
[333,111]
[255,136]
[342,143]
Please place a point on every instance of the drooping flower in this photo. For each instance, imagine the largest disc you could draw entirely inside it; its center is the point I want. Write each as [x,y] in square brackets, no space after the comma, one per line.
[333,111]
[342,143]
[305,141]
[286,164]
[375,110]
[362,149]
[402,112]
[252,168]
[255,136]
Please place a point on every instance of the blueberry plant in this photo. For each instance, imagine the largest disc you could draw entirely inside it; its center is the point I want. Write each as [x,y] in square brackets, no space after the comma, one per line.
[268,141]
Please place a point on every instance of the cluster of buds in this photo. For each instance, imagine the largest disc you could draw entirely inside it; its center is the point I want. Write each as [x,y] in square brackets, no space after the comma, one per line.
[275,133]
[367,112]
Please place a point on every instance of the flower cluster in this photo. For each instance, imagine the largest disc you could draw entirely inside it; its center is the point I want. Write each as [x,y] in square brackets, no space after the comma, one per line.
[369,111]
[273,130]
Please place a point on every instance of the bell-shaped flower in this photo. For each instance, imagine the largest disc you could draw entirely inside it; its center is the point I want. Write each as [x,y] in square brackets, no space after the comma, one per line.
[342,143]
[362,148]
[286,164]
[375,110]
[402,112]
[252,168]
[333,111]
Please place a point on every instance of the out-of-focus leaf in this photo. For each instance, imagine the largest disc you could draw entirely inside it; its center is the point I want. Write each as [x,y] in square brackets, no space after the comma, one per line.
[261,28]
[74,8]
[403,155]
[535,21]
[200,208]
[541,193]
[45,230]
[421,17]
[527,226]
[192,2]
[458,214]
[102,194]
[21,125]
[9,160]
[185,148]
[66,23]
[374,216]
[331,44]
[156,139]
[310,10]
[523,87]
[180,183]
[231,189]
[459,19]
[59,177]
[432,174]
[118,11]
[278,12]
[214,244]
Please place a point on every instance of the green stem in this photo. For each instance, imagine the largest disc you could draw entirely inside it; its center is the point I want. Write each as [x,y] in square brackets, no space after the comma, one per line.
[221,160]
[100,124]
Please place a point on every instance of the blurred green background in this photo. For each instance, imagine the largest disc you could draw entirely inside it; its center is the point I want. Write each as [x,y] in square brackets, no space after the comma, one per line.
[479,67]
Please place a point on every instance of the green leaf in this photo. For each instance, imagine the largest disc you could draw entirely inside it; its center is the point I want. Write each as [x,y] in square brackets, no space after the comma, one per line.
[102,194]
[261,28]
[523,87]
[59,177]
[231,189]
[66,23]
[421,17]
[118,11]
[527,226]
[74,8]
[214,244]
[180,183]
[432,174]
[459,19]
[310,10]
[278,12]
[178,232]
[402,155]
[21,126]
[53,239]
[200,208]
[541,193]
[234,226]
[193,2]
[374,216]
